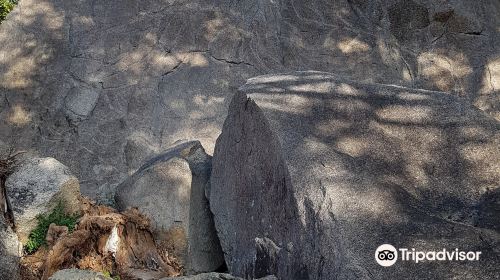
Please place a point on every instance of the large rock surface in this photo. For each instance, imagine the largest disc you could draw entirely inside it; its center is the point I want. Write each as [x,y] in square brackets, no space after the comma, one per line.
[312,172]
[35,188]
[170,190]
[94,83]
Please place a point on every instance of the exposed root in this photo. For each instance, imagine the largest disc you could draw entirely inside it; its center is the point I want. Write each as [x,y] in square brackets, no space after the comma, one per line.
[63,250]
[106,241]
[55,232]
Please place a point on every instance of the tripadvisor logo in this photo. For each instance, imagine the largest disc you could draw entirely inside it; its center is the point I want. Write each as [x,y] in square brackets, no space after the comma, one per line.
[387,255]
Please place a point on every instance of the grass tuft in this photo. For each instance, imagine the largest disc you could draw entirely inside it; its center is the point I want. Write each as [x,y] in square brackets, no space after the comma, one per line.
[37,237]
[5,7]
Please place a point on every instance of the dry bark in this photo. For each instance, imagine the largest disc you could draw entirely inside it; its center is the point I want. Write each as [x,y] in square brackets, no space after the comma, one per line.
[55,232]
[135,256]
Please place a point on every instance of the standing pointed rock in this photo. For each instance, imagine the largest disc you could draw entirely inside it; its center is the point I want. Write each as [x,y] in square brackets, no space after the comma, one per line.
[170,190]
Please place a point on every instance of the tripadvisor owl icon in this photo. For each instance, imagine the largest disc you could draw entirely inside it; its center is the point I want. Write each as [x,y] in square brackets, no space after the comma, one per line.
[386,255]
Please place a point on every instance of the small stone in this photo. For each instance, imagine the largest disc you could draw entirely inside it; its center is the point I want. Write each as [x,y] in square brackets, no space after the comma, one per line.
[81,102]
[78,274]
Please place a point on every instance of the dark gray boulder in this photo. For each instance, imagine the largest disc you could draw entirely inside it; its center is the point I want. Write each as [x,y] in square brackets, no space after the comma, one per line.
[170,190]
[312,172]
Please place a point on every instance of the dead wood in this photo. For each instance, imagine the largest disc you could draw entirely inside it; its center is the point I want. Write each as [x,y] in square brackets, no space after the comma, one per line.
[135,255]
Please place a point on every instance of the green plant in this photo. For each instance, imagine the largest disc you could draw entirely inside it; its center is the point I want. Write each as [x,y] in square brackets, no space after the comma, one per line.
[5,7]
[58,217]
[108,274]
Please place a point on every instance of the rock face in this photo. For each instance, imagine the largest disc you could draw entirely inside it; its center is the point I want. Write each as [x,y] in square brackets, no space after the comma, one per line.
[170,190]
[35,188]
[312,172]
[80,79]
[77,274]
[9,252]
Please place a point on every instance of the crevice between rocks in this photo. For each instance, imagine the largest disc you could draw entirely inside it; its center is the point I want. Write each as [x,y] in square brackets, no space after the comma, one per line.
[7,166]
